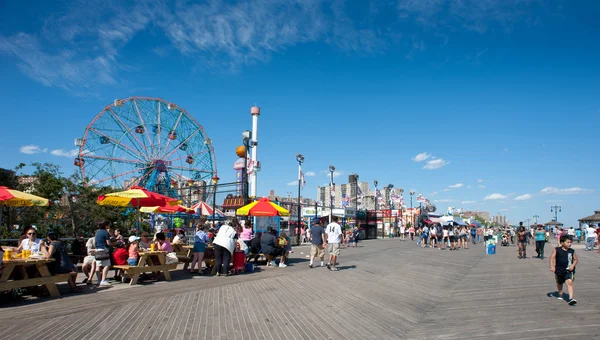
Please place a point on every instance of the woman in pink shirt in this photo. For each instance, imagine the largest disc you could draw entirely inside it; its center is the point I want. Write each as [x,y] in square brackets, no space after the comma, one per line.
[162,243]
[246,234]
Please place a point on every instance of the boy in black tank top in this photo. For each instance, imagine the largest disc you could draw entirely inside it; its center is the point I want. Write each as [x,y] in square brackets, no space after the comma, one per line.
[562,263]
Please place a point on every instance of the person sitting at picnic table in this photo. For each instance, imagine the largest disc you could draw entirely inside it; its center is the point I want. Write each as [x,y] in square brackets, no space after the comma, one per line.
[200,241]
[133,255]
[254,248]
[224,245]
[269,246]
[89,262]
[162,244]
[119,258]
[55,249]
[180,238]
[145,242]
[284,242]
[31,242]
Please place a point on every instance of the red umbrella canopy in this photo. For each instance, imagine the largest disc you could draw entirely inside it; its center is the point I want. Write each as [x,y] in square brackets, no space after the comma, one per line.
[136,197]
[262,207]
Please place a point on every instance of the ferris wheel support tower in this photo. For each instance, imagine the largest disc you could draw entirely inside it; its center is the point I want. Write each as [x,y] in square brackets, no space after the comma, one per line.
[255,112]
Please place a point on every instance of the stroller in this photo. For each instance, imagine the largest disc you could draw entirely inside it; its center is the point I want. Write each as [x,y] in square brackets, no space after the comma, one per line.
[505,240]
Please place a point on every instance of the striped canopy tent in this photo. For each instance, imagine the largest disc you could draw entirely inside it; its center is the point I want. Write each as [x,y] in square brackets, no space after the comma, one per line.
[16,198]
[262,207]
[203,209]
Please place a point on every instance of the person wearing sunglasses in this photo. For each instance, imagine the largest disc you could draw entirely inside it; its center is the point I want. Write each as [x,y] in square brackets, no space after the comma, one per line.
[31,242]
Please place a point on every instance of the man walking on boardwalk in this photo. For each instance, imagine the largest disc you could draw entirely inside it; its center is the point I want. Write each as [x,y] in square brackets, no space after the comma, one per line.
[334,240]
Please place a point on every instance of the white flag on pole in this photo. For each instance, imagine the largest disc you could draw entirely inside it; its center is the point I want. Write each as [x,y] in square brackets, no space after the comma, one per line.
[301,176]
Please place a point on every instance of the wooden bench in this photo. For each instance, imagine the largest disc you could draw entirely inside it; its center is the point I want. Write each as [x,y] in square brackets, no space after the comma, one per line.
[134,271]
[183,254]
[146,264]
[45,279]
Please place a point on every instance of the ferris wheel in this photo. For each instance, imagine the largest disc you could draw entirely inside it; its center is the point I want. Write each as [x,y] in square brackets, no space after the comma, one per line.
[147,142]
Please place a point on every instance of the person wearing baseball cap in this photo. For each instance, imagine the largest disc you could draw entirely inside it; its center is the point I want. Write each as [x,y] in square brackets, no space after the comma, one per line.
[133,256]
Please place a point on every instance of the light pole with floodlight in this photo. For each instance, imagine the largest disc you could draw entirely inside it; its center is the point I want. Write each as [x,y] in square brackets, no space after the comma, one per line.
[300,160]
[215,180]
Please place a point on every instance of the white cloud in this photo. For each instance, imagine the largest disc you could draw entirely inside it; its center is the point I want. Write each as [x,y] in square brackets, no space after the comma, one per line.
[504,209]
[493,197]
[63,153]
[435,164]
[479,181]
[481,186]
[469,187]
[523,197]
[457,185]
[79,46]
[446,189]
[31,149]
[434,193]
[443,201]
[553,201]
[468,202]
[421,157]
[310,174]
[566,191]
[293,183]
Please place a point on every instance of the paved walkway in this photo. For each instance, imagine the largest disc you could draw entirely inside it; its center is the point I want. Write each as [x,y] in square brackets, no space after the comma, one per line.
[387,289]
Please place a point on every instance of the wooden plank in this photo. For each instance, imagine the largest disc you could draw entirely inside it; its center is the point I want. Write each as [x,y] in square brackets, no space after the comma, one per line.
[37,281]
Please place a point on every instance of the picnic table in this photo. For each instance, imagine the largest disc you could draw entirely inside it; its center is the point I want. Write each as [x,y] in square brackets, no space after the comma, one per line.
[45,279]
[184,254]
[146,263]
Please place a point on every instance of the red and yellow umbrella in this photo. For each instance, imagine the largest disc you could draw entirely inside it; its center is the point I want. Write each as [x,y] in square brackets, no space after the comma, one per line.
[136,197]
[168,209]
[262,207]
[16,198]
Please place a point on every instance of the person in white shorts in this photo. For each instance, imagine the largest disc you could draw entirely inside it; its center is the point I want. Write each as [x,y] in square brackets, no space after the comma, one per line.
[335,238]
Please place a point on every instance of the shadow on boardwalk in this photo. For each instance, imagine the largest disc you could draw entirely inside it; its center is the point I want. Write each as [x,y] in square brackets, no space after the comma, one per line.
[388,289]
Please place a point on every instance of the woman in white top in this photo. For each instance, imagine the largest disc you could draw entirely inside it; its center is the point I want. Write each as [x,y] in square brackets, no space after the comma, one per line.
[31,243]
[224,245]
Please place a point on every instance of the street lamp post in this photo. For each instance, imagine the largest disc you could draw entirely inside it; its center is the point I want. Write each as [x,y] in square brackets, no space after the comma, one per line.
[189,202]
[556,209]
[246,138]
[375,182]
[300,160]
[389,192]
[215,180]
[355,200]
[331,171]
[412,213]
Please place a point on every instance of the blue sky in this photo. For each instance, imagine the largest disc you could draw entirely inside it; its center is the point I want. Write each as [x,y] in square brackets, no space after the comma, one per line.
[499,98]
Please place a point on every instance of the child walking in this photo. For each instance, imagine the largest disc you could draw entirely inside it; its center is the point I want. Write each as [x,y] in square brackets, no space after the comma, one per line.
[562,263]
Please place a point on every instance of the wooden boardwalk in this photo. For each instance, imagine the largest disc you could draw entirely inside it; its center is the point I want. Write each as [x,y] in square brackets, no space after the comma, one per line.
[387,289]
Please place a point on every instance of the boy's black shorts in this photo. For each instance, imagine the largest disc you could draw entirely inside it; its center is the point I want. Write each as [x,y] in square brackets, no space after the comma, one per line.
[561,277]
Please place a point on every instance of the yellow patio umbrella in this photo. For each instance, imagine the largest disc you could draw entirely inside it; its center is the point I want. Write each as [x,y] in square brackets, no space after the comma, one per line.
[262,207]
[16,198]
[137,197]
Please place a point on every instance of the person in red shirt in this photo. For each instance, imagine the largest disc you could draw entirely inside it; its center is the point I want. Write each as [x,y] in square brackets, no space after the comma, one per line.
[119,258]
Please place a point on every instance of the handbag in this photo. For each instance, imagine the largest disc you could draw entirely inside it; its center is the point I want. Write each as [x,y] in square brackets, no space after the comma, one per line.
[171,258]
[101,254]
